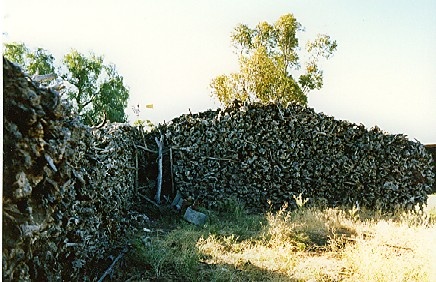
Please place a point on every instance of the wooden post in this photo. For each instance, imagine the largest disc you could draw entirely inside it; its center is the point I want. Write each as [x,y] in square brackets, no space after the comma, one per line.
[171,167]
[159,163]
[136,172]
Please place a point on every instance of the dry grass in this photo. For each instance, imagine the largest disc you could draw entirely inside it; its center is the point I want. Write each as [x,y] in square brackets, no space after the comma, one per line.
[303,245]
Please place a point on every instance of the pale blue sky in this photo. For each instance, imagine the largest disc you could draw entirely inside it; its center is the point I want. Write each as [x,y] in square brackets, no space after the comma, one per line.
[383,73]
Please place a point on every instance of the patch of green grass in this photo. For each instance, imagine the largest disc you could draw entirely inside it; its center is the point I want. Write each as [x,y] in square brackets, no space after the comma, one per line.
[300,245]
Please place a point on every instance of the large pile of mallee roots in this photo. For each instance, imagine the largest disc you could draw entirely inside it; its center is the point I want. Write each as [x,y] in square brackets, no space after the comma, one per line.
[68,189]
[264,155]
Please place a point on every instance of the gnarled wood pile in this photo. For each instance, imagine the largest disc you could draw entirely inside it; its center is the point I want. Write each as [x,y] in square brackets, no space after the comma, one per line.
[266,154]
[431,148]
[67,188]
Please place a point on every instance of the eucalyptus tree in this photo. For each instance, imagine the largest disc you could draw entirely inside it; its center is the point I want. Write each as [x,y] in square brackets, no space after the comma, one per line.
[270,64]
[95,89]
[35,62]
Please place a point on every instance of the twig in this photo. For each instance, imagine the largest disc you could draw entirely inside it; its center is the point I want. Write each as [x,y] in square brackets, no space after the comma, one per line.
[171,168]
[98,126]
[398,247]
[146,149]
[143,137]
[136,172]
[159,143]
[151,151]
[280,112]
[148,200]
[182,148]
[219,159]
[44,77]
[123,252]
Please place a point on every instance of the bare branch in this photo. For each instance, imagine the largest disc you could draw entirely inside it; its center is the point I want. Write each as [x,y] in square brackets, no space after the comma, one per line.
[123,252]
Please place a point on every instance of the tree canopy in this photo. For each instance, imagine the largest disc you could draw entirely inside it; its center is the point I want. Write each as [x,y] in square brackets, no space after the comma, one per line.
[94,88]
[34,62]
[269,63]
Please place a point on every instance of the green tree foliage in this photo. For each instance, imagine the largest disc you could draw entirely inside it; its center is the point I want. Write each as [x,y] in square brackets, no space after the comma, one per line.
[269,63]
[95,89]
[40,62]
[112,96]
[16,53]
[34,62]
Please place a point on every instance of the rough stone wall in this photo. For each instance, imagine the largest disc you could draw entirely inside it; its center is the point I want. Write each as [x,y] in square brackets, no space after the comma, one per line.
[266,154]
[68,189]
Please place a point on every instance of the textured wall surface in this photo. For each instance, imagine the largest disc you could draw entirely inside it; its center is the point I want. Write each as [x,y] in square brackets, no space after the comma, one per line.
[262,154]
[68,189]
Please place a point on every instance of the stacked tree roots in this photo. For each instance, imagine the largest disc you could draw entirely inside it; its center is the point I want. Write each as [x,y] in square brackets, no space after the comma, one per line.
[68,189]
[431,148]
[266,155]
